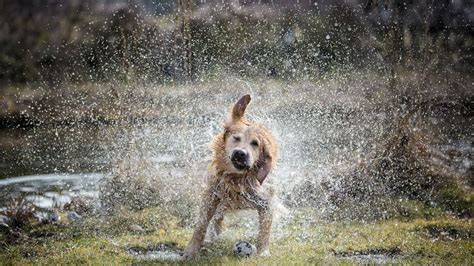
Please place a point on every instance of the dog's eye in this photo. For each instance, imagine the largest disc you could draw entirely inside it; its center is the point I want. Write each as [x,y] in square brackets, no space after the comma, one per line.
[236,138]
[254,143]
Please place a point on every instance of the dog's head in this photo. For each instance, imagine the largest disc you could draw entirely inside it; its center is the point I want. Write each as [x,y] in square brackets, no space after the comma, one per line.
[248,147]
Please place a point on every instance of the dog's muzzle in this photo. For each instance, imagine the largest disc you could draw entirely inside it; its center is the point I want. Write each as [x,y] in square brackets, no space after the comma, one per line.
[239,159]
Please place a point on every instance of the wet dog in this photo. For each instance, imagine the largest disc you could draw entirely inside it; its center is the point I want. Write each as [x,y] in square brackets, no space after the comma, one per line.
[244,154]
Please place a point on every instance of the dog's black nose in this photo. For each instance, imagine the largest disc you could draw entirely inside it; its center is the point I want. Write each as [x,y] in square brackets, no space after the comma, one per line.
[239,159]
[239,155]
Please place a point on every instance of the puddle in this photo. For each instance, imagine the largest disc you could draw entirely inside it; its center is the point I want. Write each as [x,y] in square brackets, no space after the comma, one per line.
[162,251]
[372,259]
[158,255]
[50,190]
[381,256]
[447,233]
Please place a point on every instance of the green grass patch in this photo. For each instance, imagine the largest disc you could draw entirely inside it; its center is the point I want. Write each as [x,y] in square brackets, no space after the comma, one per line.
[441,239]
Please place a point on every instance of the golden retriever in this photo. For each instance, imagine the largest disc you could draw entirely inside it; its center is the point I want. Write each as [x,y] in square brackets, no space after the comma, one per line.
[244,153]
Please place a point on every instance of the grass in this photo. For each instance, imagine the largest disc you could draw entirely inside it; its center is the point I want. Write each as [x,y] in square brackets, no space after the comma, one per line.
[437,240]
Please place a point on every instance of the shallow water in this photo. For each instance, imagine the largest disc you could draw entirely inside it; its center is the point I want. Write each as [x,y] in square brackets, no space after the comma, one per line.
[46,150]
[50,190]
[159,251]
[158,255]
[370,259]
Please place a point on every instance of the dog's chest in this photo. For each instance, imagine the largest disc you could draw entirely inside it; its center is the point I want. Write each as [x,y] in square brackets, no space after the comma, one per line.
[236,197]
[235,201]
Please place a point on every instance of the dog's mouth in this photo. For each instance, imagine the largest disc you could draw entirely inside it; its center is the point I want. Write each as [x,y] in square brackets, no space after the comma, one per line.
[240,165]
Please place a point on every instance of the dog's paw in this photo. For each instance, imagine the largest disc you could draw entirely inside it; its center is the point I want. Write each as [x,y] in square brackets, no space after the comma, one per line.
[187,256]
[189,253]
[264,253]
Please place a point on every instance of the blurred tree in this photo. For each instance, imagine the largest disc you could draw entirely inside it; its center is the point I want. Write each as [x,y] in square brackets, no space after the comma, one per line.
[183,37]
[414,30]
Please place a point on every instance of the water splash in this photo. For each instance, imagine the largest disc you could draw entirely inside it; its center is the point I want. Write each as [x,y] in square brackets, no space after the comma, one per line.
[154,149]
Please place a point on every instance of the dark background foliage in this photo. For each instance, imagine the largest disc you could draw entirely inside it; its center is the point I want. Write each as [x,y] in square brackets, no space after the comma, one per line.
[73,40]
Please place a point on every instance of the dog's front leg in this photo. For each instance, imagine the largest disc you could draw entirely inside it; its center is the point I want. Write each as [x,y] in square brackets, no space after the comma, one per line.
[215,227]
[265,223]
[208,209]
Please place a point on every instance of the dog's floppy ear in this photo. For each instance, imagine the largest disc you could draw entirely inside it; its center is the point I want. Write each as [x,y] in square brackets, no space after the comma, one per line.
[239,108]
[264,165]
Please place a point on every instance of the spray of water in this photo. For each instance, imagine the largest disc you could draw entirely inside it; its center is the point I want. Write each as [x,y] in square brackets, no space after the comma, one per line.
[354,145]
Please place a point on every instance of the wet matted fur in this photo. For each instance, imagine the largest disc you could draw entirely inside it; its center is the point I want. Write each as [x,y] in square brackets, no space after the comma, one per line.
[244,154]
